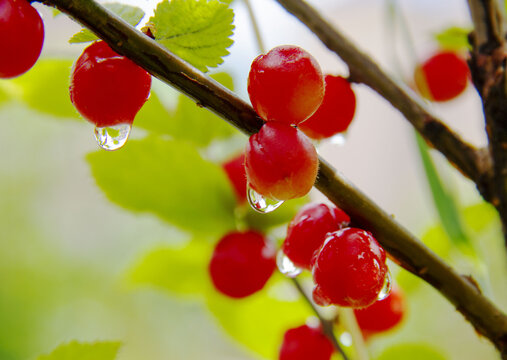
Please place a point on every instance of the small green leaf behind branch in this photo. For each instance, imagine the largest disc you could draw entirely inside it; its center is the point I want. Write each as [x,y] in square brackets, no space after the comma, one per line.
[131,14]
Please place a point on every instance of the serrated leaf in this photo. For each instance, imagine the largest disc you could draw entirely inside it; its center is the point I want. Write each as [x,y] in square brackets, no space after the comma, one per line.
[168,179]
[454,38]
[84,351]
[181,271]
[131,14]
[246,320]
[188,121]
[412,352]
[198,31]
[46,88]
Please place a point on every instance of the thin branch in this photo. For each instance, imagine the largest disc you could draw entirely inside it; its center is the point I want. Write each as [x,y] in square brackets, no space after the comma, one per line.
[471,162]
[487,65]
[403,247]
[327,326]
[255,27]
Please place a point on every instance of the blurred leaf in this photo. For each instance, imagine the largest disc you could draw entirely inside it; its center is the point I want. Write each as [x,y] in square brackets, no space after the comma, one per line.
[81,351]
[131,14]
[412,352]
[198,31]
[480,216]
[188,122]
[182,271]
[281,216]
[3,96]
[446,207]
[260,320]
[454,38]
[169,179]
[46,88]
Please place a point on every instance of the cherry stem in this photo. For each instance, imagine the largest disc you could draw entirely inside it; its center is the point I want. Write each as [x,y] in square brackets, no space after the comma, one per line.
[327,325]
[255,26]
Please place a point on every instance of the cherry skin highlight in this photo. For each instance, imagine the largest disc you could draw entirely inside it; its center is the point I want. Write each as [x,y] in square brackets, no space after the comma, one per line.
[280,162]
[336,111]
[442,77]
[308,229]
[22,37]
[304,343]
[382,315]
[242,263]
[107,88]
[235,170]
[349,269]
[285,85]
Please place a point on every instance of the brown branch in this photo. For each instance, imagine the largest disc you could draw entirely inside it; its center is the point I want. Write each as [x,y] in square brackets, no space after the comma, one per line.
[403,247]
[473,163]
[487,65]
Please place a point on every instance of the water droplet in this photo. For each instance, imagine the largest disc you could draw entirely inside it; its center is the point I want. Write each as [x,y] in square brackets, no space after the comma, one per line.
[338,139]
[260,203]
[286,266]
[112,137]
[386,289]
[346,339]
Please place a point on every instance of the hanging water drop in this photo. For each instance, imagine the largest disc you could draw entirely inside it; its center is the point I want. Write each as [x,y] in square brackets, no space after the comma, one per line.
[112,137]
[338,139]
[286,266]
[260,203]
[386,289]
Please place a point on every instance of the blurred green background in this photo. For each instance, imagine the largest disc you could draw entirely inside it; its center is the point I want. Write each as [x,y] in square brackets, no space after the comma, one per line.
[98,246]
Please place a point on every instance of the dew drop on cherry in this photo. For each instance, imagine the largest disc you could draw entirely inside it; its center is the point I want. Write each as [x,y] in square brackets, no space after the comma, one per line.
[112,138]
[261,203]
[386,289]
[286,266]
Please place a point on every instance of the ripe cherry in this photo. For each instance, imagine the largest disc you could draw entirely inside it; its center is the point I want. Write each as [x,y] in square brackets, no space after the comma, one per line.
[382,315]
[280,162]
[304,343]
[349,269]
[285,85]
[107,88]
[336,111]
[442,77]
[242,263]
[308,229]
[21,37]
[235,169]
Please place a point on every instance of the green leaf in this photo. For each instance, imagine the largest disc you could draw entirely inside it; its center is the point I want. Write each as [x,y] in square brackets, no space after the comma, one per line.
[182,271]
[131,14]
[260,320]
[412,352]
[3,96]
[454,38]
[198,31]
[46,88]
[84,351]
[446,207]
[170,180]
[188,122]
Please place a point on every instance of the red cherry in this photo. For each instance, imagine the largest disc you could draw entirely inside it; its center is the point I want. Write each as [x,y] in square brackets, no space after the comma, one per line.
[308,229]
[304,343]
[21,37]
[242,263]
[235,169]
[382,315]
[442,77]
[281,162]
[107,88]
[349,269]
[336,111]
[285,85]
